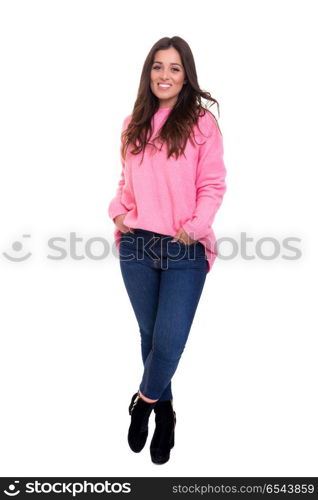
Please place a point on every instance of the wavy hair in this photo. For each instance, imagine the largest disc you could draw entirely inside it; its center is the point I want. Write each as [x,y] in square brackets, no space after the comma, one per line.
[185,112]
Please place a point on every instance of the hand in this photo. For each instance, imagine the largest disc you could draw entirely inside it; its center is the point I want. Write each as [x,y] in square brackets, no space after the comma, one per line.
[183,237]
[118,220]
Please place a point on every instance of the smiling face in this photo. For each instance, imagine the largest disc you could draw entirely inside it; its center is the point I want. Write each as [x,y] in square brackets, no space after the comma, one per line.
[167,69]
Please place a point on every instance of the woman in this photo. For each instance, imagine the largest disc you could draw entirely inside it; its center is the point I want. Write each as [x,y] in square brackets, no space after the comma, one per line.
[171,186]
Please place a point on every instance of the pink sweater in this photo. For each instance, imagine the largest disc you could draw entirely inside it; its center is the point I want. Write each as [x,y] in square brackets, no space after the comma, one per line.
[163,195]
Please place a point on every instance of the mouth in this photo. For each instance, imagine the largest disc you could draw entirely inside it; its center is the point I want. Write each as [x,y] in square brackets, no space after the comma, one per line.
[164,86]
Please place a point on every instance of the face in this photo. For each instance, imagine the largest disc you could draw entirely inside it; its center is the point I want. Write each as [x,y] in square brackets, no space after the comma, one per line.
[167,69]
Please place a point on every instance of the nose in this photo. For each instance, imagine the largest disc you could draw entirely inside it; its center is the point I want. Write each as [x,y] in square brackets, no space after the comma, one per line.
[165,74]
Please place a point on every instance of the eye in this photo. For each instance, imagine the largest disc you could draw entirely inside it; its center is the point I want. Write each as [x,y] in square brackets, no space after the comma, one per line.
[158,67]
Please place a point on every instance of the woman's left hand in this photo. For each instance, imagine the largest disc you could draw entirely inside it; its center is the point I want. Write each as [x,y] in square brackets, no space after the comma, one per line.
[183,237]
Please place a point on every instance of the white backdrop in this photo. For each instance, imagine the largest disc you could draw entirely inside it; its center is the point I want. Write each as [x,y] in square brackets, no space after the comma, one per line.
[246,386]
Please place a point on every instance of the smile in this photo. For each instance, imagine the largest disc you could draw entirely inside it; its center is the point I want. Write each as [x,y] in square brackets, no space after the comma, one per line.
[164,86]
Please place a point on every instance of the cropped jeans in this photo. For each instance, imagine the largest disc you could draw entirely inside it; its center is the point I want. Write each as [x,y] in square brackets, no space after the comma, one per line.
[164,281]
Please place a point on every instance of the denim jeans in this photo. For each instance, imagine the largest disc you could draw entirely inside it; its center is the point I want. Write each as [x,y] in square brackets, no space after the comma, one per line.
[164,281]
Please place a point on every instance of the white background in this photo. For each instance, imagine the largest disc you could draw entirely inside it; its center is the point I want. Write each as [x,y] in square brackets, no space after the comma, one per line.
[245,391]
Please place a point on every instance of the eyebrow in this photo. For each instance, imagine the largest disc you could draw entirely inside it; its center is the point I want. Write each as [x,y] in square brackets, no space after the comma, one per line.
[160,62]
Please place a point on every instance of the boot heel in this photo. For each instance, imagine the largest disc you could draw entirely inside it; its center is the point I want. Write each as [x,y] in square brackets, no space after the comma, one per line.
[172,441]
[172,435]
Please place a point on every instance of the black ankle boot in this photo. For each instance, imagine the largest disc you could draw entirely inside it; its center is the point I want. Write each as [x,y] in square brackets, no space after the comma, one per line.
[163,438]
[140,411]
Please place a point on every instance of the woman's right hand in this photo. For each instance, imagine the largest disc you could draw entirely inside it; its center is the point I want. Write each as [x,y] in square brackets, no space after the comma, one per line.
[118,220]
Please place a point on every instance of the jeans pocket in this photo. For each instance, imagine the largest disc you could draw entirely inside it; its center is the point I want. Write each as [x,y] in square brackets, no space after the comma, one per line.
[199,251]
[127,246]
[128,237]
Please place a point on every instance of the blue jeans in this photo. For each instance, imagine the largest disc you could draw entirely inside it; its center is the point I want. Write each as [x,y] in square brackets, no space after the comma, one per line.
[164,281]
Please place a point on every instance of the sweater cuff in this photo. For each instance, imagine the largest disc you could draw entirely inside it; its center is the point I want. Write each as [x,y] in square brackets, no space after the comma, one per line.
[193,229]
[116,208]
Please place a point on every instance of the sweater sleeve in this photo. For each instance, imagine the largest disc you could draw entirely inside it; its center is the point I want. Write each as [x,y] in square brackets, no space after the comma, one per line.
[116,207]
[210,181]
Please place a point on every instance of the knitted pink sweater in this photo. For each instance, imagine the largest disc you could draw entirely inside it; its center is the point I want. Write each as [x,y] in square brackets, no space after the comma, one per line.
[163,195]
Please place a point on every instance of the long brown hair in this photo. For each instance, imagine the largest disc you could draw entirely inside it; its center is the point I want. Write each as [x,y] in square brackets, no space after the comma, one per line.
[185,112]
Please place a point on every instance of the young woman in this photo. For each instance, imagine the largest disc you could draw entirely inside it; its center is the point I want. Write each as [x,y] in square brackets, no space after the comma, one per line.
[171,186]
